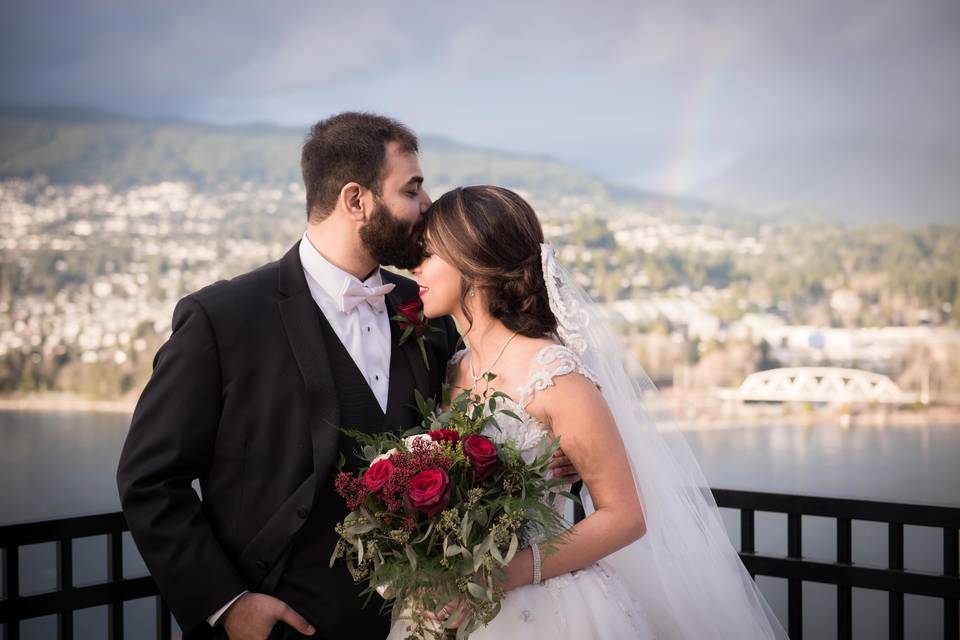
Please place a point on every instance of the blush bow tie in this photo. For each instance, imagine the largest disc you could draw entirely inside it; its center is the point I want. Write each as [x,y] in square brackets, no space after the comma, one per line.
[355,292]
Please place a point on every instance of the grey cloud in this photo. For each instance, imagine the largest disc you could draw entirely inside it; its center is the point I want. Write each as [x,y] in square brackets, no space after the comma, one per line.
[614,86]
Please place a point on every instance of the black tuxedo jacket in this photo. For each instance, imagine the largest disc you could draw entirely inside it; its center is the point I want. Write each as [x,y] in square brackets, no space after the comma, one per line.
[242,398]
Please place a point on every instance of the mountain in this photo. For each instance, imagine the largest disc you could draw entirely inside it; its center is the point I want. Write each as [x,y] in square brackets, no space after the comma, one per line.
[908,182]
[74,146]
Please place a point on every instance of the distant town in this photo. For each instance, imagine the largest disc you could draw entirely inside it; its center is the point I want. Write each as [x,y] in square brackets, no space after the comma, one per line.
[90,275]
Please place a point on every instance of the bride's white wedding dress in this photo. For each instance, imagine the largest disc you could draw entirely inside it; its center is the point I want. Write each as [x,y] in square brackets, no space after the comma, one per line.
[590,603]
[682,580]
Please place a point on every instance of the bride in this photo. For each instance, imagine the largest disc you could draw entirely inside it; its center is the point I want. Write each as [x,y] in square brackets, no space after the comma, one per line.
[651,559]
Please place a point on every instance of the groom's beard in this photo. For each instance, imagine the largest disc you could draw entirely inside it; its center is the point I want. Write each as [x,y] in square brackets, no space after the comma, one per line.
[392,242]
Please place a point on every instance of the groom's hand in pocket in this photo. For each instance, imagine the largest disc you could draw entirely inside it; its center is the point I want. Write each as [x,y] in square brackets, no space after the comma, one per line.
[561,467]
[253,616]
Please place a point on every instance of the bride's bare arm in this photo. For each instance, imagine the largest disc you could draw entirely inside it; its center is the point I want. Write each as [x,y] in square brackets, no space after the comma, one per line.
[578,414]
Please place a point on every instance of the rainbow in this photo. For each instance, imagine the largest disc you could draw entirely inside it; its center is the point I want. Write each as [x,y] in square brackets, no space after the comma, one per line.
[679,170]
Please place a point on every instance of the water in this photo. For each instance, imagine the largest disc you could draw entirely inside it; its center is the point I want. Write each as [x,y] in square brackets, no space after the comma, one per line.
[901,464]
[62,464]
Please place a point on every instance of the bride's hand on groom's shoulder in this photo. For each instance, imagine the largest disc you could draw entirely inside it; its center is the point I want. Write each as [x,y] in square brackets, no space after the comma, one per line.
[253,616]
[561,466]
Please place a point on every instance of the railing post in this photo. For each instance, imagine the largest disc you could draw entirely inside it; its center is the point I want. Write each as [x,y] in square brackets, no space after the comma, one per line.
[747,543]
[65,582]
[115,574]
[895,563]
[794,585]
[164,632]
[11,586]
[844,593]
[951,567]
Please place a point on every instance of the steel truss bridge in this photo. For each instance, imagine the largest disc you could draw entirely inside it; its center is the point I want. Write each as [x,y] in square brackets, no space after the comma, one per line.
[820,384]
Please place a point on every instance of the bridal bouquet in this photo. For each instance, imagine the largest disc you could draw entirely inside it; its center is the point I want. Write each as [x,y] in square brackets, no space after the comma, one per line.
[441,509]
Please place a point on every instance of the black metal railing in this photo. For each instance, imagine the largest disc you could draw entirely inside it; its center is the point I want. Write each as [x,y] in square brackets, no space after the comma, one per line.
[67,598]
[844,573]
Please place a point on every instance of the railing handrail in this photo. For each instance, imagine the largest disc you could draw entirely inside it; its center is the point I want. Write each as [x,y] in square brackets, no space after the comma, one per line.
[53,529]
[919,514]
[910,513]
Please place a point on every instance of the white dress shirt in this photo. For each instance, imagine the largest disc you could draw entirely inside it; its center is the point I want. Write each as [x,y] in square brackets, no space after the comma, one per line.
[364,331]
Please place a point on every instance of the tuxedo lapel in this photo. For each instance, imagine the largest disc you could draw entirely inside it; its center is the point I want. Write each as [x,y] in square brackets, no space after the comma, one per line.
[300,320]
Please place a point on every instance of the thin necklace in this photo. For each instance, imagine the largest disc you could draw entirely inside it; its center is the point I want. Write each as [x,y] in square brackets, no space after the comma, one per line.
[476,378]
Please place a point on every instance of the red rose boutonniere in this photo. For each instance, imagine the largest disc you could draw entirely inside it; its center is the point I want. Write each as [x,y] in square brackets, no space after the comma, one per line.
[412,322]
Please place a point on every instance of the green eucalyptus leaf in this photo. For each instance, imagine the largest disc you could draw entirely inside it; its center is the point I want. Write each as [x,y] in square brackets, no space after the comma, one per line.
[480,550]
[465,525]
[411,556]
[480,515]
[424,536]
[360,529]
[476,591]
[512,551]
[495,552]
[370,519]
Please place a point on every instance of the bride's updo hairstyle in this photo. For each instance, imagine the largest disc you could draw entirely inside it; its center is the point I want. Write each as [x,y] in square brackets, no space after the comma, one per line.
[492,236]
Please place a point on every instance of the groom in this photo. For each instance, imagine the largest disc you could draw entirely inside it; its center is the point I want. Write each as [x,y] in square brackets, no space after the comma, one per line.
[249,390]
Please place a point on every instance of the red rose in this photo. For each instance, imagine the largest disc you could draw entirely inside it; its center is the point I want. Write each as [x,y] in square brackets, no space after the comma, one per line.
[412,313]
[482,454]
[445,435]
[430,491]
[377,475]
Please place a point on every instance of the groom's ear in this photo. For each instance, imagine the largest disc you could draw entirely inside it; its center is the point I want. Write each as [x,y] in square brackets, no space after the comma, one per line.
[351,200]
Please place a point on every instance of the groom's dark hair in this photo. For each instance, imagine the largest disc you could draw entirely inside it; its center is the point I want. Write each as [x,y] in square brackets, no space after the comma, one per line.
[348,147]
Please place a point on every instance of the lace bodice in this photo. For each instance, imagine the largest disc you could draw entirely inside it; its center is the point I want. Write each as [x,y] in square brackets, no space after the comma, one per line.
[528,433]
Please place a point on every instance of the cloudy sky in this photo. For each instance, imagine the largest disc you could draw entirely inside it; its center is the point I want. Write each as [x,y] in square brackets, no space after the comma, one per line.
[660,94]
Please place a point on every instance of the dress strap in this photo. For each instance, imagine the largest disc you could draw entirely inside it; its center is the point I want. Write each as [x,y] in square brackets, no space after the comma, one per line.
[453,362]
[457,357]
[553,361]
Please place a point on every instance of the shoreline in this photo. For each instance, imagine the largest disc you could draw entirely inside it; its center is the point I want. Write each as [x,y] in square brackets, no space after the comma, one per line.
[903,419]
[71,404]
[693,421]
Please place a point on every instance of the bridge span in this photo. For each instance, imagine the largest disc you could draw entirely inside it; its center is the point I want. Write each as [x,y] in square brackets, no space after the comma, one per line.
[820,384]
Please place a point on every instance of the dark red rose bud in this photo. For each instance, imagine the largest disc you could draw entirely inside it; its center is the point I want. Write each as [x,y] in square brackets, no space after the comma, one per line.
[445,435]
[412,312]
[482,454]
